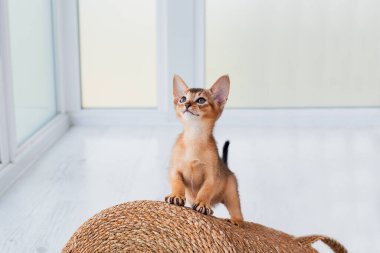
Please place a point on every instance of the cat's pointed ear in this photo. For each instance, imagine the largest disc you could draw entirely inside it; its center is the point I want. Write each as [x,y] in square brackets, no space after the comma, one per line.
[179,86]
[220,89]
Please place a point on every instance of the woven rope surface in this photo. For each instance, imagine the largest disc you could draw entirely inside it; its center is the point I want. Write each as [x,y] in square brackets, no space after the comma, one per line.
[152,226]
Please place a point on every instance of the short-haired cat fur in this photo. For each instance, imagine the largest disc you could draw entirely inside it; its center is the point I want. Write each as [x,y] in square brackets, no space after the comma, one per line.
[196,172]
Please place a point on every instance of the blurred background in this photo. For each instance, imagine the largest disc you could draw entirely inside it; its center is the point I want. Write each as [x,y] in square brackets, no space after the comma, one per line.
[86,117]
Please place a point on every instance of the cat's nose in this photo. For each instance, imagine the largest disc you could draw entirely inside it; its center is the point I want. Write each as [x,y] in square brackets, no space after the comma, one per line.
[187,105]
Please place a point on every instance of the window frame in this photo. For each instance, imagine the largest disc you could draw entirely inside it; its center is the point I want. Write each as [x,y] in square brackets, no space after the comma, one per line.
[181,31]
[171,38]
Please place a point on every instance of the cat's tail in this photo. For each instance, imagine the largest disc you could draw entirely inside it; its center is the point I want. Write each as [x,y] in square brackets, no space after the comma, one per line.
[333,244]
[225,152]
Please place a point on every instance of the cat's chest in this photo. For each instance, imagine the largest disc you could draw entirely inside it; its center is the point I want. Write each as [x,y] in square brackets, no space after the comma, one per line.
[191,155]
[193,173]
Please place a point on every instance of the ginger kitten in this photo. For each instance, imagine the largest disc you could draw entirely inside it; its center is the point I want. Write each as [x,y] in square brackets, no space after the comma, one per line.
[196,172]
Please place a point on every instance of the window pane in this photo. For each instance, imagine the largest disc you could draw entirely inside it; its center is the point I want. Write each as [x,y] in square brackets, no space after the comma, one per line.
[295,53]
[118,53]
[32,58]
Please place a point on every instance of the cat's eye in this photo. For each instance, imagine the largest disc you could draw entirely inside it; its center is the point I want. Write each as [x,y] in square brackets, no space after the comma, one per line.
[201,100]
[182,100]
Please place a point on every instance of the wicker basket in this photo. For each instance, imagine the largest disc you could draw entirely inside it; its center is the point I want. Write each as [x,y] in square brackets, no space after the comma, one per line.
[151,226]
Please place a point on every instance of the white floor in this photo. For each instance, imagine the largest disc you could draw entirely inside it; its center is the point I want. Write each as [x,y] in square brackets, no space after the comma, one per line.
[301,181]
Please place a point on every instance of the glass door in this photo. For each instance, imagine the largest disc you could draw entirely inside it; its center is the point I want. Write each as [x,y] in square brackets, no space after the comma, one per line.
[32,65]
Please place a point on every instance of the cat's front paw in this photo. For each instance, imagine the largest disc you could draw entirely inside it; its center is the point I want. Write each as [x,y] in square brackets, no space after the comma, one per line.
[175,200]
[236,222]
[203,208]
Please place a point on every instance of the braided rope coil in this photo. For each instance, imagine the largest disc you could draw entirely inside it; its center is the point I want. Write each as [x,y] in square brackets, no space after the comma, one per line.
[152,226]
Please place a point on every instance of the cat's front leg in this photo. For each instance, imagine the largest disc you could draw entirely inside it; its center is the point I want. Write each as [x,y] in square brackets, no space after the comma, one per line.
[203,200]
[177,197]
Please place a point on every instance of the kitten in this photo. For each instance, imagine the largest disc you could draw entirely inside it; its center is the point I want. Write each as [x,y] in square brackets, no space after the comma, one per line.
[196,172]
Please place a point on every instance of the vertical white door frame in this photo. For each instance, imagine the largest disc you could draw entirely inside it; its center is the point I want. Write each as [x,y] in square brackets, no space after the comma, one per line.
[199,42]
[185,36]
[57,20]
[163,91]
[4,156]
[181,40]
[7,106]
[68,51]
